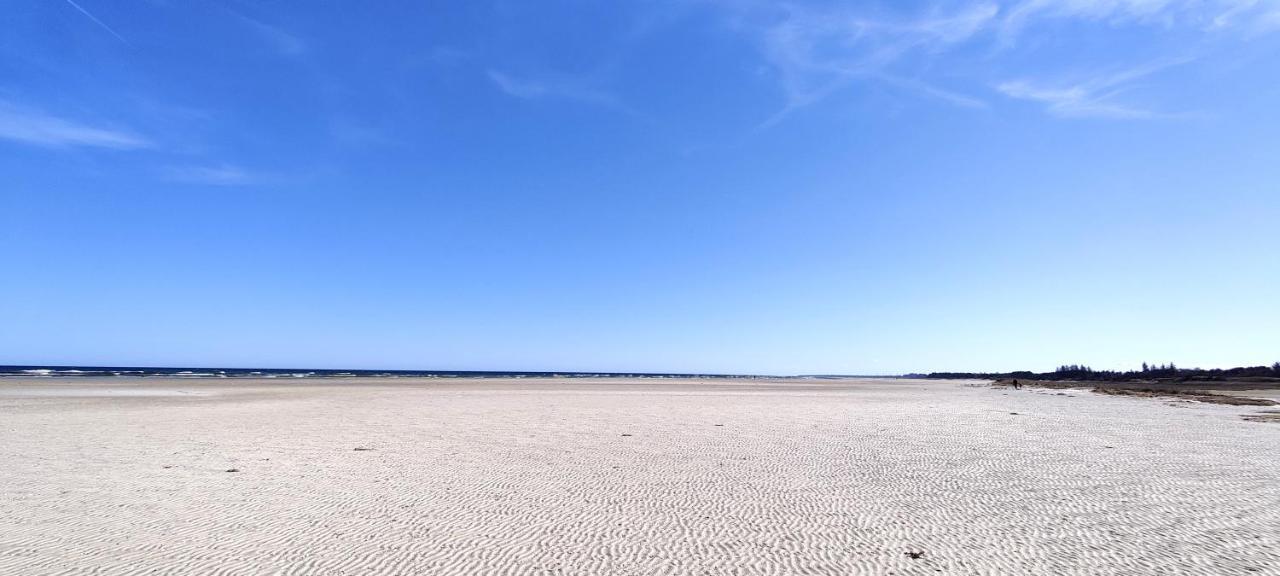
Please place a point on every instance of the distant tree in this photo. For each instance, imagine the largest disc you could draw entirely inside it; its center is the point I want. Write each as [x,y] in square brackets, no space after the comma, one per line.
[1085,373]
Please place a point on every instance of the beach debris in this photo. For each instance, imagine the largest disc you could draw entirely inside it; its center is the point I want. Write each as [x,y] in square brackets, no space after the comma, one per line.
[719,424]
[363,449]
[914,554]
[626,434]
[233,469]
[1013,413]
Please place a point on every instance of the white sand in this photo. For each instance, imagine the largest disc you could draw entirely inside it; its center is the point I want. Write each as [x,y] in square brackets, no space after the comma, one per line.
[539,477]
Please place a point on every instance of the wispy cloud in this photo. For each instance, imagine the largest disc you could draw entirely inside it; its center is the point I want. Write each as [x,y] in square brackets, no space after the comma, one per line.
[1251,16]
[816,52]
[97,21]
[553,88]
[31,126]
[1071,101]
[1022,14]
[1270,21]
[1093,97]
[220,175]
[922,87]
[283,42]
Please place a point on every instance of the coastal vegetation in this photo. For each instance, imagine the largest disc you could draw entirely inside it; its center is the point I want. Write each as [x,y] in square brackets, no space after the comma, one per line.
[1148,373]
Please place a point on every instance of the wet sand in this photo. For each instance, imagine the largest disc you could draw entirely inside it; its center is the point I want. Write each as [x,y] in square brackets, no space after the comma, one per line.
[120,476]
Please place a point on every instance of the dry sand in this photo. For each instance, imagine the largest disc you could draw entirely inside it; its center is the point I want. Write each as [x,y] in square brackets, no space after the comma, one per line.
[627,477]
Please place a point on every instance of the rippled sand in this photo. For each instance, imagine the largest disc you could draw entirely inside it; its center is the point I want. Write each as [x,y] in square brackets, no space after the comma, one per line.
[628,477]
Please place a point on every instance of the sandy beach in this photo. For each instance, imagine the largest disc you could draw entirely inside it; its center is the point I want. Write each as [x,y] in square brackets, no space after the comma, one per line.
[558,476]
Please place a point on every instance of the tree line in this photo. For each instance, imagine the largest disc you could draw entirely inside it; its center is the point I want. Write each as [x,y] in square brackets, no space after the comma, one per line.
[1148,372]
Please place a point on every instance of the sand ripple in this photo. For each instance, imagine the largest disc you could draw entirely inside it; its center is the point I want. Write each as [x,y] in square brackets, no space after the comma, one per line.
[528,478]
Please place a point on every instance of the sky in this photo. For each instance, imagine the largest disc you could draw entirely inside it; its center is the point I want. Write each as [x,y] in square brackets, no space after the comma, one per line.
[729,186]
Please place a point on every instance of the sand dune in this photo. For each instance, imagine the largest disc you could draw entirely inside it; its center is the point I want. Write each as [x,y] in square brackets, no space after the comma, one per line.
[628,477]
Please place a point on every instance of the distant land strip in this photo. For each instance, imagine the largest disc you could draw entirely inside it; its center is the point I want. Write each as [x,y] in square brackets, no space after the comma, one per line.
[1169,373]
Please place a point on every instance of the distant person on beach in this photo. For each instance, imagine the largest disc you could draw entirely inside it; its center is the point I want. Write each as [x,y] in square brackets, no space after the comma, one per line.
[1016,385]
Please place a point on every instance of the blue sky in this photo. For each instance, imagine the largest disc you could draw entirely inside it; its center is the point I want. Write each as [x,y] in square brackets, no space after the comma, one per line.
[666,185]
